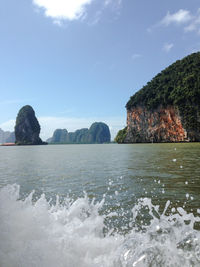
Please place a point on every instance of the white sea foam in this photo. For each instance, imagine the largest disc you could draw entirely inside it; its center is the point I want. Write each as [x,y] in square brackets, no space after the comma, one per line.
[71,235]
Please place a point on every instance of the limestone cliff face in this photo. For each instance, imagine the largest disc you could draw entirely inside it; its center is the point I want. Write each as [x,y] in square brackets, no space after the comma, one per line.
[159,125]
[167,108]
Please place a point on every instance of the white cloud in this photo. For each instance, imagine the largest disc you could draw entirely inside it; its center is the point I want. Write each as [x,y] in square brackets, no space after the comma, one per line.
[96,17]
[194,25]
[180,17]
[108,2]
[8,125]
[190,28]
[50,124]
[136,56]
[191,22]
[58,22]
[183,18]
[167,47]
[63,9]
[116,3]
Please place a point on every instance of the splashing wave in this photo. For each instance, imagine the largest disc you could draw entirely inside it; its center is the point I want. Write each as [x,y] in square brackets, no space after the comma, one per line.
[71,233]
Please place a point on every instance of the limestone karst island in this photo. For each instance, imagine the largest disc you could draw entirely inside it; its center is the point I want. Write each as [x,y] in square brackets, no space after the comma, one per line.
[98,133]
[167,109]
[27,128]
[27,131]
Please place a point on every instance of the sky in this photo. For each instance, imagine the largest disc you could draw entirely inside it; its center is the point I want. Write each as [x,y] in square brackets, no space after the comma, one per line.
[79,61]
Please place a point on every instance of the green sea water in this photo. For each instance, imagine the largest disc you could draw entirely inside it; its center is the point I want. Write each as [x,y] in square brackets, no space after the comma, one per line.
[162,171]
[102,191]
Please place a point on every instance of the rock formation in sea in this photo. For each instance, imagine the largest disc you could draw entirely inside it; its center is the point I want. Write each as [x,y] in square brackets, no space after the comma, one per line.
[27,128]
[167,109]
[6,136]
[98,133]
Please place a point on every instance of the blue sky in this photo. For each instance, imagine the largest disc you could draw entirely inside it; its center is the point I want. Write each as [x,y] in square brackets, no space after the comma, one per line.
[79,61]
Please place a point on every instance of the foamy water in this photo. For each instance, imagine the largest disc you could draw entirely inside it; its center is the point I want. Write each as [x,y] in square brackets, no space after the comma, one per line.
[40,233]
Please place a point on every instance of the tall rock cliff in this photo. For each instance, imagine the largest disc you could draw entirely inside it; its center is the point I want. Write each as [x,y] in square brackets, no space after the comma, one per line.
[98,133]
[159,125]
[27,128]
[167,109]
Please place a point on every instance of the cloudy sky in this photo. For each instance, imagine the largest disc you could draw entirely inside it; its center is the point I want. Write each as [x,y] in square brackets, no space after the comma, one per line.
[79,61]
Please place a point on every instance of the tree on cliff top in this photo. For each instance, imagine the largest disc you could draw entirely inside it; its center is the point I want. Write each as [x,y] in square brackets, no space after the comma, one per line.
[177,85]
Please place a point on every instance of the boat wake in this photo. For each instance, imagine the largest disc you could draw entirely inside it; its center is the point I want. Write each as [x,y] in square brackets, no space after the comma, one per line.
[71,233]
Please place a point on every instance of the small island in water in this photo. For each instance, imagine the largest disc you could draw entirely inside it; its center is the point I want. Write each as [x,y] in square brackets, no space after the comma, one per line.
[6,137]
[27,131]
[98,133]
[167,109]
[27,128]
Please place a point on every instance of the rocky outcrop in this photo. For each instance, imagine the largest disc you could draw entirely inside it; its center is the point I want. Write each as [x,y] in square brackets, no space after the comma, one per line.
[98,133]
[7,137]
[27,128]
[59,136]
[166,109]
[160,125]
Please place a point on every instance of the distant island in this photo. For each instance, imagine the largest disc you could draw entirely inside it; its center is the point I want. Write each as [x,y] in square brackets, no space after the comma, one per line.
[98,133]
[27,131]
[7,137]
[27,128]
[167,109]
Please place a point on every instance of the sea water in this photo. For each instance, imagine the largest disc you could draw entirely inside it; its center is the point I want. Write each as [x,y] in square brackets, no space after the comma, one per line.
[100,205]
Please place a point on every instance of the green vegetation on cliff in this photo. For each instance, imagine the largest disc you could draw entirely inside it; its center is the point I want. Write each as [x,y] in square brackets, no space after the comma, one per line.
[98,133]
[121,135]
[177,85]
[27,128]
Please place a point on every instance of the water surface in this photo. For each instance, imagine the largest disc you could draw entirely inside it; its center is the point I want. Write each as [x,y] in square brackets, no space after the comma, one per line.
[126,205]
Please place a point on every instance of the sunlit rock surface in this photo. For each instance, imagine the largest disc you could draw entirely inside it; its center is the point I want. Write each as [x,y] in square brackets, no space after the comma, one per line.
[160,125]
